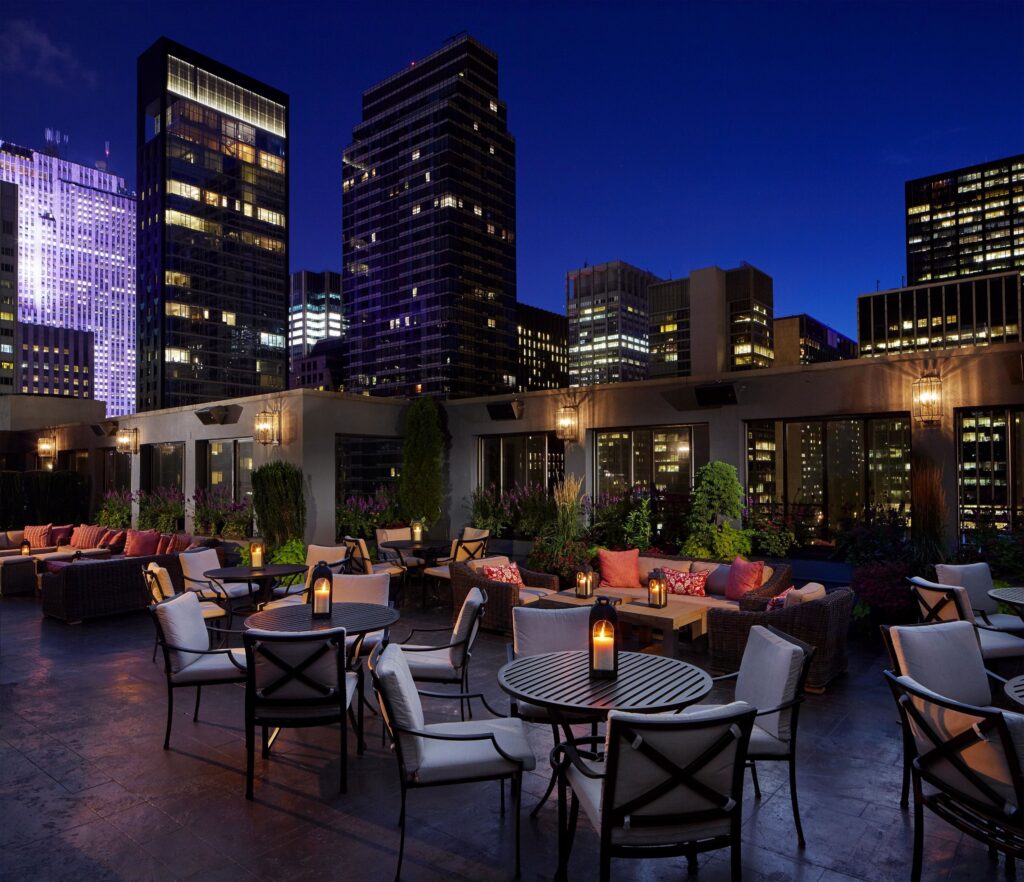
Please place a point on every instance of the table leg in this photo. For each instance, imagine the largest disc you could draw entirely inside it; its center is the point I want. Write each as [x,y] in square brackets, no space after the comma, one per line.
[670,642]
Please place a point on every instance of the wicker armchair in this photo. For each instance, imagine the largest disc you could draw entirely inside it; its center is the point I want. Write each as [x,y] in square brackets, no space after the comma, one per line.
[823,624]
[501,596]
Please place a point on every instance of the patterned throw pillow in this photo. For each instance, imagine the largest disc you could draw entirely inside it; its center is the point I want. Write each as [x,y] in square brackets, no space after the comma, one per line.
[509,574]
[691,584]
[39,536]
[778,601]
[87,536]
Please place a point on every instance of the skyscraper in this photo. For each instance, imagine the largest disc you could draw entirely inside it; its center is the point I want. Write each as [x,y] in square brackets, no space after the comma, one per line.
[802,339]
[55,361]
[670,328]
[213,230]
[76,260]
[8,284]
[543,347]
[608,310]
[428,231]
[966,222]
[315,312]
[751,302]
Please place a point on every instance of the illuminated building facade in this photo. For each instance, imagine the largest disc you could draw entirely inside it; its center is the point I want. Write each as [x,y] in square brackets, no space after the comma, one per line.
[428,231]
[315,312]
[670,328]
[966,222]
[8,285]
[76,260]
[609,316]
[974,311]
[213,230]
[55,361]
[543,347]
[750,300]
[802,339]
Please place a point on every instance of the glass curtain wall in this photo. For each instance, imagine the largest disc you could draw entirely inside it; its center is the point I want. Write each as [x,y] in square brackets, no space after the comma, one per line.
[508,461]
[990,468]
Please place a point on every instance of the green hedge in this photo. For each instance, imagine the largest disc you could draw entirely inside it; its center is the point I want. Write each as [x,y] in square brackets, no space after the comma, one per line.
[279,501]
[43,497]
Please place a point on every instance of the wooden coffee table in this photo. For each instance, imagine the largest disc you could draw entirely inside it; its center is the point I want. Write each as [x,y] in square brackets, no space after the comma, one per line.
[668,619]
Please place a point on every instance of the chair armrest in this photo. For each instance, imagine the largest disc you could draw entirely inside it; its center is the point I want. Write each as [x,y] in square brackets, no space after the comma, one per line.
[571,753]
[482,736]
[424,631]
[780,707]
[466,695]
[533,579]
[226,652]
[724,677]
[993,676]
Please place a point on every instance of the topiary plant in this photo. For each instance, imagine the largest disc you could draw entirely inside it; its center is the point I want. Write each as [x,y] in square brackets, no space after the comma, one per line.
[279,501]
[717,498]
[421,483]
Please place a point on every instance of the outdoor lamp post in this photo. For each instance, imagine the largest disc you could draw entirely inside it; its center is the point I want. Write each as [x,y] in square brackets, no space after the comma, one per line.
[657,589]
[322,581]
[604,651]
[257,549]
[585,582]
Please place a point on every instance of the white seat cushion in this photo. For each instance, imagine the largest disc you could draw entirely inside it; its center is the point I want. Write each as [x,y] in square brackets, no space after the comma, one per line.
[298,713]
[234,591]
[1005,622]
[181,620]
[212,610]
[290,600]
[389,568]
[438,572]
[436,664]
[403,700]
[528,594]
[769,674]
[765,744]
[810,591]
[288,590]
[212,667]
[996,644]
[945,658]
[452,760]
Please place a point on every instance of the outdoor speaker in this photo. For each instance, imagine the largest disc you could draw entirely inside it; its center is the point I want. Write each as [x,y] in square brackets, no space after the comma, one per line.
[505,410]
[715,394]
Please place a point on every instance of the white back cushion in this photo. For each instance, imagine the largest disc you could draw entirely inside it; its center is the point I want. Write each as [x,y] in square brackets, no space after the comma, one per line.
[498,560]
[810,591]
[295,652]
[976,578]
[400,689]
[769,674]
[181,620]
[361,589]
[536,631]
[466,627]
[195,563]
[944,658]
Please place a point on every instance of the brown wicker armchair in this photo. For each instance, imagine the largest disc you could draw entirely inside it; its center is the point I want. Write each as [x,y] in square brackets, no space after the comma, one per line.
[824,624]
[501,596]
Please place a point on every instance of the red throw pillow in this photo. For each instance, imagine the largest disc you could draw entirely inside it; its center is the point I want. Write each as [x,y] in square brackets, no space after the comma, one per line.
[778,601]
[61,535]
[39,536]
[113,539]
[691,584]
[509,574]
[87,536]
[181,542]
[744,576]
[163,544]
[141,543]
[619,569]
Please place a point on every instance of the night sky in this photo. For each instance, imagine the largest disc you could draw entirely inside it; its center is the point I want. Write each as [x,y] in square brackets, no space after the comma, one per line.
[671,136]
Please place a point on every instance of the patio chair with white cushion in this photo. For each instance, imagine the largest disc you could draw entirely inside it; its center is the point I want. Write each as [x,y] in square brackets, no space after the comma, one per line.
[188,659]
[966,769]
[297,680]
[475,533]
[332,555]
[462,549]
[161,588]
[666,785]
[231,595]
[771,678]
[362,589]
[536,632]
[976,580]
[951,603]
[360,562]
[449,663]
[431,755]
[945,658]
[394,555]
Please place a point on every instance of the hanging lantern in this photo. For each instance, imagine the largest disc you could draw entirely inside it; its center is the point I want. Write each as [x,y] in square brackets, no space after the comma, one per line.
[926,399]
[567,422]
[585,582]
[417,531]
[604,650]
[657,589]
[26,547]
[127,441]
[256,552]
[266,427]
[46,446]
[321,582]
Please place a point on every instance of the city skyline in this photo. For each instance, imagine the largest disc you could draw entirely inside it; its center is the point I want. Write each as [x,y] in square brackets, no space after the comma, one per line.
[749,163]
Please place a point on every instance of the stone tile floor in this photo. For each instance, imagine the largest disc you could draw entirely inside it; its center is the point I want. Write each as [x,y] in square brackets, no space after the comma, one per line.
[86,792]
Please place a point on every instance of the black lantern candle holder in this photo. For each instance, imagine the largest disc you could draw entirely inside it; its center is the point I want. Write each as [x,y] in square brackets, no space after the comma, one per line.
[657,589]
[321,583]
[585,582]
[604,640]
[26,547]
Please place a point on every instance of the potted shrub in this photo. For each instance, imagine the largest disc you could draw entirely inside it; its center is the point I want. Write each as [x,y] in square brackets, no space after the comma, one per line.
[715,504]
[421,483]
[560,549]
[115,511]
[279,502]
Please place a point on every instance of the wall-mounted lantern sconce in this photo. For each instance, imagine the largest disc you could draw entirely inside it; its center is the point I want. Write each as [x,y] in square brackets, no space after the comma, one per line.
[927,399]
[567,422]
[127,441]
[266,428]
[46,446]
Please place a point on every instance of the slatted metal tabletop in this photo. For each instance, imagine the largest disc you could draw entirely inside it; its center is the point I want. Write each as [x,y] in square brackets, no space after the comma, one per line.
[1014,689]
[1012,596]
[561,681]
[355,618]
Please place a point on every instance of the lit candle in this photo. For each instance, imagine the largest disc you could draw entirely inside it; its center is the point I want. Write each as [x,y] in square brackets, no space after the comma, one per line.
[322,597]
[604,648]
[656,593]
[417,531]
[257,555]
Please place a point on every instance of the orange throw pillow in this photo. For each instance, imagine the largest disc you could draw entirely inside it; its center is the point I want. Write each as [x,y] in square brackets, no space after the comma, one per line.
[619,569]
[39,536]
[141,543]
[744,577]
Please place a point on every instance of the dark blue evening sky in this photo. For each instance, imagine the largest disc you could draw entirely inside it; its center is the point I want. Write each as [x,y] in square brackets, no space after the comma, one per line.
[672,136]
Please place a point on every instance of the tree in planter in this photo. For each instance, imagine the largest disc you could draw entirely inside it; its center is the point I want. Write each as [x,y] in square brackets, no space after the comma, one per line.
[717,498]
[279,501]
[421,484]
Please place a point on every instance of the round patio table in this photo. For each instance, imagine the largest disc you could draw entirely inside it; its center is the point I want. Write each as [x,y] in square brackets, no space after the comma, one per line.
[264,577]
[561,682]
[355,618]
[1014,689]
[1012,596]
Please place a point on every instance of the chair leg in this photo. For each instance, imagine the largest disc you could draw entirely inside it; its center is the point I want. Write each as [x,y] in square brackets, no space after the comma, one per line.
[401,839]
[547,793]
[753,777]
[501,790]
[343,773]
[170,717]
[563,852]
[265,736]
[915,872]
[905,792]
[691,861]
[517,797]
[156,646]
[736,860]
[250,757]
[195,713]
[796,805]
[605,874]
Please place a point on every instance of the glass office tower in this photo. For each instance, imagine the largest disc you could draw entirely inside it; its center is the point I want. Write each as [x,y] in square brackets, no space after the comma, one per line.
[213,230]
[428,227]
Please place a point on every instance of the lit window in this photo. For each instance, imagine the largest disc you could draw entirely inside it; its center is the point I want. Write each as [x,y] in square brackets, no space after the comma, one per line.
[415,155]
[174,355]
[416,209]
[494,106]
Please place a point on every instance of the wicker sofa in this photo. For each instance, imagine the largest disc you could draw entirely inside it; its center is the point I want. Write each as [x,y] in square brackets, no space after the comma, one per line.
[824,624]
[501,596]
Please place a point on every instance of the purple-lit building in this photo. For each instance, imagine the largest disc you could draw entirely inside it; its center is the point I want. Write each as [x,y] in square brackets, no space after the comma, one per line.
[76,261]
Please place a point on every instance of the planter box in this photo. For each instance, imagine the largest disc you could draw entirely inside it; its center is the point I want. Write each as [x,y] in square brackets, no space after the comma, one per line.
[514,549]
